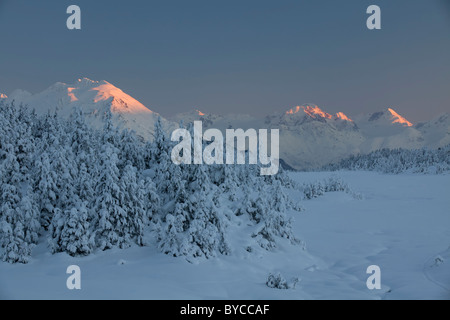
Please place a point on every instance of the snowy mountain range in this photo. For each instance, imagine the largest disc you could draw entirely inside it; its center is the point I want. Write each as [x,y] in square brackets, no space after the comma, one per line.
[309,136]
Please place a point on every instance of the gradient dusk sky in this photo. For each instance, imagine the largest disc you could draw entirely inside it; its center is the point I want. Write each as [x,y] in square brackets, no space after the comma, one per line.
[237,56]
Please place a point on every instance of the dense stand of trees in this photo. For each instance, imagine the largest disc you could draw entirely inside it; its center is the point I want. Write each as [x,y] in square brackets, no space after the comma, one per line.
[432,161]
[85,190]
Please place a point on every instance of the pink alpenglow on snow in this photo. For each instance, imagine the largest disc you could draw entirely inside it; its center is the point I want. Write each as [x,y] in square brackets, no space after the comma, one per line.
[311,110]
[396,118]
[107,91]
[71,94]
[343,116]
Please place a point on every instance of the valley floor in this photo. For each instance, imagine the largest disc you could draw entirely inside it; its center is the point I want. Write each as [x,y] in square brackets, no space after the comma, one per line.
[402,224]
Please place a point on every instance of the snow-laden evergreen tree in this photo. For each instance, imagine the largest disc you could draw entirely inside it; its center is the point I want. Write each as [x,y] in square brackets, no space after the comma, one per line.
[19,217]
[160,148]
[85,185]
[16,247]
[171,230]
[133,203]
[230,182]
[194,227]
[45,187]
[131,150]
[63,163]
[110,134]
[207,228]
[279,201]
[152,199]
[111,222]
[168,174]
[70,231]
[10,200]
[207,225]
[80,136]
[271,225]
[29,210]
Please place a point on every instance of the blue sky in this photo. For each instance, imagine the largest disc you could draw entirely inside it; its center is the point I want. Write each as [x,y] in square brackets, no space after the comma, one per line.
[246,56]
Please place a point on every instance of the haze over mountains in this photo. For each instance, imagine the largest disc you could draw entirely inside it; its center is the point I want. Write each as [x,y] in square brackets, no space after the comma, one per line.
[309,136]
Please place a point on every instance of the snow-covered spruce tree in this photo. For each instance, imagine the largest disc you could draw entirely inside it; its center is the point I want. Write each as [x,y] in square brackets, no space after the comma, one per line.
[46,190]
[152,199]
[24,145]
[160,147]
[80,136]
[278,199]
[167,175]
[171,231]
[133,202]
[230,182]
[110,134]
[70,231]
[19,219]
[10,199]
[52,133]
[6,134]
[111,223]
[194,227]
[30,211]
[271,223]
[131,150]
[16,248]
[84,185]
[275,224]
[64,165]
[207,228]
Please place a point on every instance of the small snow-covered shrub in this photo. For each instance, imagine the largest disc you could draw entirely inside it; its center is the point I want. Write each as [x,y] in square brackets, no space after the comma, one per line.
[331,184]
[278,282]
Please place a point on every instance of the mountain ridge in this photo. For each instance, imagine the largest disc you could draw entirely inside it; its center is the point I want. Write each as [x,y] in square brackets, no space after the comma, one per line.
[309,136]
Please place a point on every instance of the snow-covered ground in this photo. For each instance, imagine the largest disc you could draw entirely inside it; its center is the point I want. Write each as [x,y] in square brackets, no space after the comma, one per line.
[402,224]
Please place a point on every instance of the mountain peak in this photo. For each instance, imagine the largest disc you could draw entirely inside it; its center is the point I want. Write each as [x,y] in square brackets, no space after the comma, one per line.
[343,116]
[95,99]
[86,91]
[396,118]
[389,116]
[311,110]
[87,82]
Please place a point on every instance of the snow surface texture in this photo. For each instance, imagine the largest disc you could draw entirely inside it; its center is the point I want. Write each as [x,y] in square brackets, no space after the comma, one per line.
[309,136]
[400,225]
